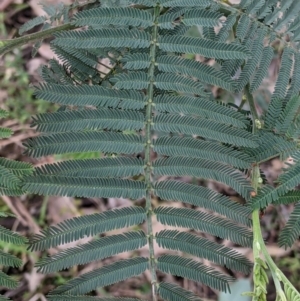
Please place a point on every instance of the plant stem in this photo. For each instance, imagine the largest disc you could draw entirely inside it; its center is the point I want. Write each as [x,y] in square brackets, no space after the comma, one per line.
[244,99]
[8,45]
[258,241]
[148,148]
[251,105]
[255,175]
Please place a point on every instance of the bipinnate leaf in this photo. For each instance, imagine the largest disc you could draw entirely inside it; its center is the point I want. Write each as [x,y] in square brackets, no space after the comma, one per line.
[98,38]
[86,95]
[73,121]
[200,168]
[104,276]
[206,128]
[5,133]
[9,236]
[197,148]
[193,270]
[203,47]
[173,292]
[7,281]
[291,232]
[196,106]
[88,141]
[87,225]
[94,168]
[203,197]
[7,259]
[94,250]
[114,16]
[87,187]
[193,219]
[203,248]
[88,298]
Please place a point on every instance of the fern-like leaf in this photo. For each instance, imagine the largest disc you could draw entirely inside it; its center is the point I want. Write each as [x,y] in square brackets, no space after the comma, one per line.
[284,75]
[287,115]
[190,218]
[95,250]
[16,191]
[187,3]
[254,7]
[113,16]
[290,178]
[195,69]
[288,15]
[288,198]
[90,96]
[295,82]
[104,276]
[3,113]
[76,58]
[243,27]
[202,17]
[225,30]
[87,298]
[173,292]
[203,47]
[203,197]
[89,119]
[291,231]
[88,225]
[73,60]
[55,74]
[152,89]
[167,20]
[131,80]
[94,168]
[200,107]
[203,248]
[265,196]
[270,146]
[19,169]
[169,81]
[7,281]
[262,71]
[147,3]
[205,128]
[84,142]
[103,38]
[7,178]
[10,237]
[32,23]
[190,147]
[250,66]
[5,133]
[84,187]
[136,61]
[6,214]
[194,270]
[7,259]
[185,166]
[273,113]
[287,181]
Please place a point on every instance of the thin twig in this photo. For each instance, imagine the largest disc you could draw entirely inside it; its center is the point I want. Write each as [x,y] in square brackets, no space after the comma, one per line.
[8,45]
